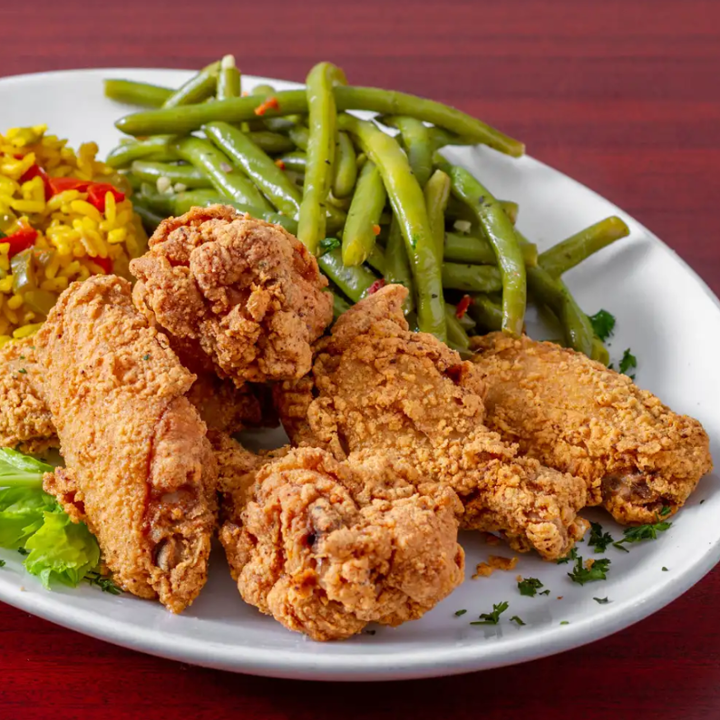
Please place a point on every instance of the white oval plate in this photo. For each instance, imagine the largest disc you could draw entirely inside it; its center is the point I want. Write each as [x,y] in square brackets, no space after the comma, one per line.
[666,315]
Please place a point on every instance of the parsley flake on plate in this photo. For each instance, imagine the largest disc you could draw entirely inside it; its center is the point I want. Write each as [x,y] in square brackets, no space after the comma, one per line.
[601,601]
[572,555]
[492,618]
[565,622]
[643,532]
[598,539]
[628,362]
[590,571]
[603,324]
[104,582]
[458,613]
[529,586]
[2,563]
[517,620]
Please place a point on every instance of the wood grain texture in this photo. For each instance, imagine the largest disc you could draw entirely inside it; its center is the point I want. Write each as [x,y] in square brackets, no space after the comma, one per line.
[622,95]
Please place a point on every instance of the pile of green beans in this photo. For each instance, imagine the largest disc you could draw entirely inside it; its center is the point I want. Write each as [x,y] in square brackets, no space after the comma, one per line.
[375,204]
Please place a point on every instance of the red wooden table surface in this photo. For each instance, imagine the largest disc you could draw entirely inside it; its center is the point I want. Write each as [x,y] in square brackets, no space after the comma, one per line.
[623,95]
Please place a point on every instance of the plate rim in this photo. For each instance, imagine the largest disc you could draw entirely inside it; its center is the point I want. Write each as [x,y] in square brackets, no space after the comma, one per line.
[371,665]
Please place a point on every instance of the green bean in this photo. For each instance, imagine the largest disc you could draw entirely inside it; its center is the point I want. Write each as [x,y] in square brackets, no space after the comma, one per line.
[471,278]
[437,192]
[284,124]
[552,292]
[600,352]
[397,265]
[187,175]
[468,249]
[271,142]
[457,336]
[161,203]
[396,103]
[567,254]
[263,90]
[346,170]
[300,136]
[271,180]
[124,154]
[486,313]
[441,138]
[353,281]
[228,82]
[511,209]
[363,219]
[340,305]
[416,140]
[136,93]
[216,165]
[376,260]
[133,180]
[198,88]
[294,161]
[322,123]
[149,218]
[408,203]
[500,232]
[292,102]
[342,203]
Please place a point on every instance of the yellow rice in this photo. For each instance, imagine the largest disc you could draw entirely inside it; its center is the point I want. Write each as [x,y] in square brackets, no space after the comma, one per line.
[71,231]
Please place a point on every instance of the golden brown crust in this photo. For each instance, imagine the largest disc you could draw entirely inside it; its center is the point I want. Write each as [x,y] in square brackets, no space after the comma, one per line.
[242,292]
[573,414]
[327,547]
[25,420]
[140,470]
[377,386]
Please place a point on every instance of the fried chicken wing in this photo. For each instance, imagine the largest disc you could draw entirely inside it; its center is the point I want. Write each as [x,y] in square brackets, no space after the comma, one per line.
[326,547]
[140,470]
[573,414]
[239,294]
[25,421]
[375,386]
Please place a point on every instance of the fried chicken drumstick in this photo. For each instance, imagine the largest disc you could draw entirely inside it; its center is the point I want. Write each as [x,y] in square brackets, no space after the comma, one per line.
[573,414]
[139,469]
[239,295]
[326,547]
[376,386]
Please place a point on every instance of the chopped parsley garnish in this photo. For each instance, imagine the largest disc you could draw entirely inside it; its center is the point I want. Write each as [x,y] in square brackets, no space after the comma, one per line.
[598,539]
[517,620]
[492,618]
[146,357]
[597,571]
[458,613]
[564,622]
[572,555]
[328,244]
[628,362]
[664,569]
[2,563]
[105,583]
[23,551]
[643,532]
[545,592]
[22,371]
[529,586]
[665,511]
[22,357]
[603,324]
[601,601]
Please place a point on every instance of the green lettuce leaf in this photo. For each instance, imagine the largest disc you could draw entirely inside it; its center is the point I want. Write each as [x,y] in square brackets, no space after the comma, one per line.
[21,470]
[61,550]
[21,514]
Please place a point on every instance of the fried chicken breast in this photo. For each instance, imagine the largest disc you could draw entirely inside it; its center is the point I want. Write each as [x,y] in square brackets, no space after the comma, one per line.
[573,414]
[25,420]
[376,386]
[326,547]
[139,468]
[239,293]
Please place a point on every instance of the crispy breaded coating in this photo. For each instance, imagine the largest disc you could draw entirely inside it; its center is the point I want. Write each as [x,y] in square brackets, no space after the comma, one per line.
[140,471]
[377,386]
[242,292]
[327,547]
[25,421]
[573,414]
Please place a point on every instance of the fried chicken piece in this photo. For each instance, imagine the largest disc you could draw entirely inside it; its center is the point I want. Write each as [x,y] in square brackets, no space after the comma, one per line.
[140,470]
[327,547]
[573,414]
[377,386]
[241,292]
[25,421]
